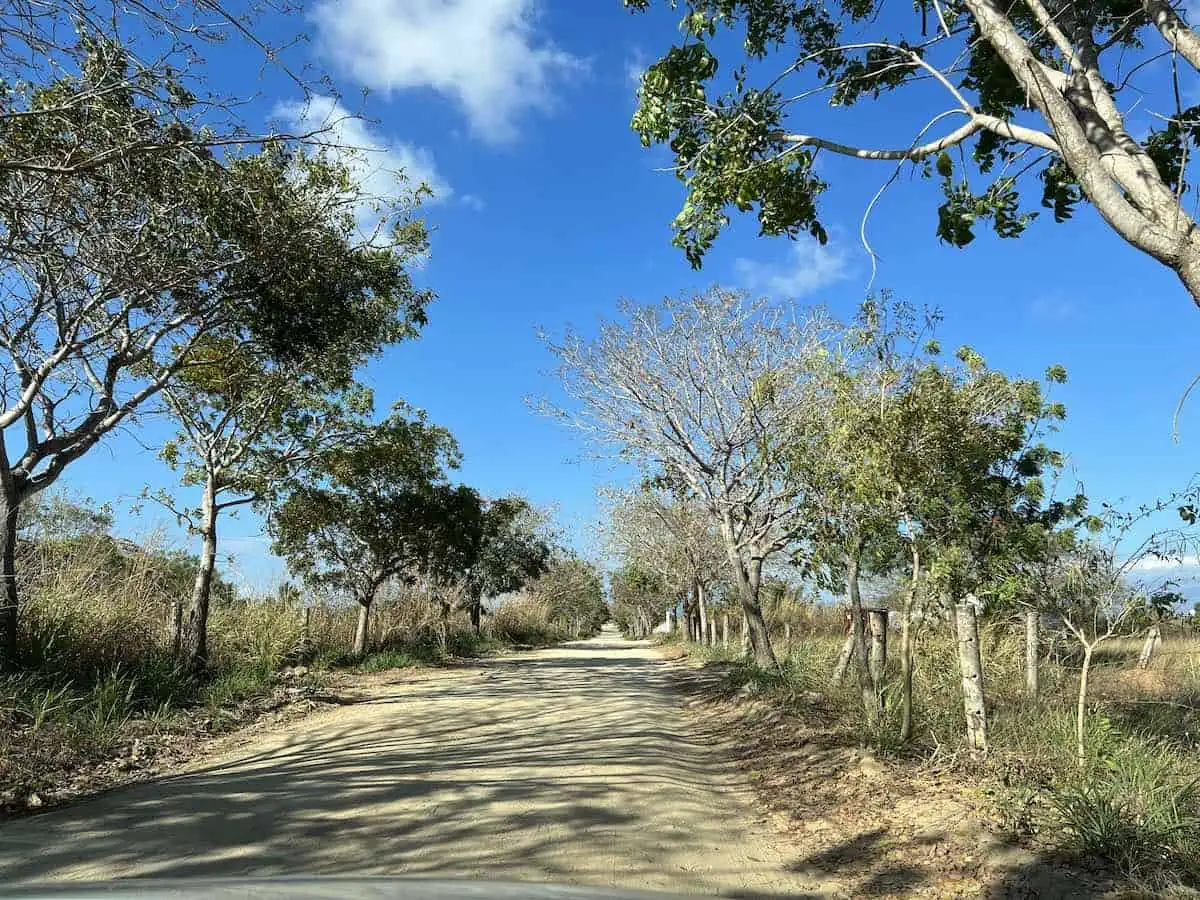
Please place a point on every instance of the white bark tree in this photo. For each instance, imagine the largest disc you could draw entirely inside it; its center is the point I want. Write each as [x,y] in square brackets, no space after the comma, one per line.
[703,390]
[1034,91]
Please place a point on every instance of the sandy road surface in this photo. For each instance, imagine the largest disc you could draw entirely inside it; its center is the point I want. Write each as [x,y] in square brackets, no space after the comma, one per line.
[571,765]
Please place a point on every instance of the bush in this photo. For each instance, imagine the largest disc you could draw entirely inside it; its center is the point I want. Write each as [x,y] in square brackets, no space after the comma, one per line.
[524,620]
[1139,811]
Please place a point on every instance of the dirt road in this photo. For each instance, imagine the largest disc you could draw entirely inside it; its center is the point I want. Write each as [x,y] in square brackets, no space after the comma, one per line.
[572,765]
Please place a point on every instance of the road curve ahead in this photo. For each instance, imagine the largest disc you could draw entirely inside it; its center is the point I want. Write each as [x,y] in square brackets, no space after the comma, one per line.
[572,765]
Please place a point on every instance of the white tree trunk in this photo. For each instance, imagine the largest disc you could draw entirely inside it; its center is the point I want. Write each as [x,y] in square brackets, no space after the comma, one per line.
[725,631]
[971,665]
[360,630]
[843,660]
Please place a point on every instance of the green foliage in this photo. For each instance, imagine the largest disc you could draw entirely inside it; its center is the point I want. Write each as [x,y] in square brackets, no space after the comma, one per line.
[729,98]
[375,508]
[1140,811]
[573,594]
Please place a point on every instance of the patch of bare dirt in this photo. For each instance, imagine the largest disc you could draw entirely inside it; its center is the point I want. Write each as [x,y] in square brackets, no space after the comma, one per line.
[888,828]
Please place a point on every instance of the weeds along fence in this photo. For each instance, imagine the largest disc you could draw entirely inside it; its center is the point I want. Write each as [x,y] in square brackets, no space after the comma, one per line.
[1136,802]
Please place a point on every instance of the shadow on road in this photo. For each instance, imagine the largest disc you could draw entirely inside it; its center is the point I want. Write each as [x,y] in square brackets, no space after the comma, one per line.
[569,766]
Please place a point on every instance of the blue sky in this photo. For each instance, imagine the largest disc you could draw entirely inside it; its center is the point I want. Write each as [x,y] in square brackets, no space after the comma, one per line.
[548,210]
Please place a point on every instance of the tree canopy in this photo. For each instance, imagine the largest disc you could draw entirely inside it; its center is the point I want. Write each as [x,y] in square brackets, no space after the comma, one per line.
[1034,98]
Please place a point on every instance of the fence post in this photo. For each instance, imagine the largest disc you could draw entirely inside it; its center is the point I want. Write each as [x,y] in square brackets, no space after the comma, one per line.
[1032,620]
[1153,639]
[878,657]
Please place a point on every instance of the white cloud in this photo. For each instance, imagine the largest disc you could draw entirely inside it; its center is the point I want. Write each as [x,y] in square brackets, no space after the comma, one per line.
[472,202]
[384,167]
[486,55]
[810,268]
[1053,308]
[1155,564]
[635,67]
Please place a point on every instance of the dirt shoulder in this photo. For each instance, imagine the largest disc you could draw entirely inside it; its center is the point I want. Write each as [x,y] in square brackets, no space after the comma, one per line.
[886,828]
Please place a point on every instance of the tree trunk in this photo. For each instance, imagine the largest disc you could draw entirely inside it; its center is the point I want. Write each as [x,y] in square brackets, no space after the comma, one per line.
[748,581]
[477,614]
[1150,647]
[787,637]
[1081,706]
[878,659]
[360,630]
[843,660]
[1032,620]
[865,685]
[9,599]
[702,609]
[906,641]
[175,625]
[194,643]
[906,672]
[725,631]
[744,635]
[971,666]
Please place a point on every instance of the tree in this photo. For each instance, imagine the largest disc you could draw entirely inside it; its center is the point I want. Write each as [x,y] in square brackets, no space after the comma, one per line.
[154,53]
[248,416]
[1038,90]
[701,390]
[376,508]
[637,600]
[977,496]
[512,551]
[574,593]
[662,530]
[1089,582]
[116,273]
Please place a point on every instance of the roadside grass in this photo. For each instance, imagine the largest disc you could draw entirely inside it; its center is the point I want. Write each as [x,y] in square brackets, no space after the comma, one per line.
[1133,804]
[99,686]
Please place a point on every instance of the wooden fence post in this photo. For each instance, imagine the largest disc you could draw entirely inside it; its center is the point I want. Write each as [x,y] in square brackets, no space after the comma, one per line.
[878,657]
[1032,620]
[1153,640]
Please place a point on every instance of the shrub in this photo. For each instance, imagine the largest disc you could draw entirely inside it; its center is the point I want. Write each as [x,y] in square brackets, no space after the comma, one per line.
[1140,811]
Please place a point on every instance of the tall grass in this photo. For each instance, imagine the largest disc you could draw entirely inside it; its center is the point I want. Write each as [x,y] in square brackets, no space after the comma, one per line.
[98,670]
[1136,801]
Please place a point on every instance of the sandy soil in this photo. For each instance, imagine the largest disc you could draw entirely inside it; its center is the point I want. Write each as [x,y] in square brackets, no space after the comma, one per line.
[574,765]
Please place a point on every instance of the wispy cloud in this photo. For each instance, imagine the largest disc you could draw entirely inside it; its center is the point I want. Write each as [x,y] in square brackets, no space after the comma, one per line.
[809,267]
[472,202]
[1164,565]
[488,56]
[636,65]
[1053,308]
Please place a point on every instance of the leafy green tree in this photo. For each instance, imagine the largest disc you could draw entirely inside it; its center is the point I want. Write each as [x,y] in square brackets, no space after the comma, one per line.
[249,415]
[512,551]
[574,592]
[118,272]
[1036,96]
[638,600]
[373,509]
